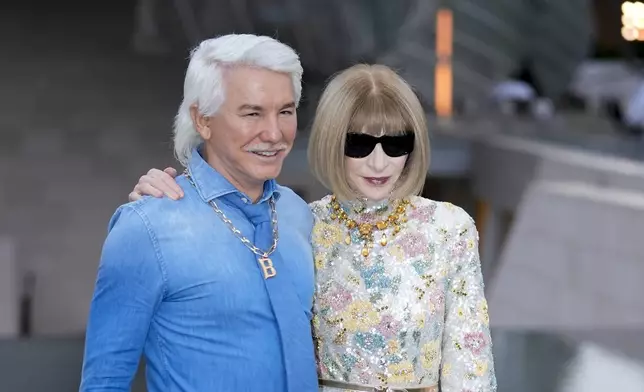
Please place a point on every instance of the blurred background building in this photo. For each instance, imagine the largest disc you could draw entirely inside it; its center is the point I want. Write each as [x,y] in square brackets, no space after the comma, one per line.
[536,111]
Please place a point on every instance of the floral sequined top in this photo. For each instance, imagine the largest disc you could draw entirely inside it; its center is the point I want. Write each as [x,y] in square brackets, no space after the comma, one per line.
[410,313]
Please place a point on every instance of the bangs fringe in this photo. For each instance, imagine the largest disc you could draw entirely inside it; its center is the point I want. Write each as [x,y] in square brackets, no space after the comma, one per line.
[379,115]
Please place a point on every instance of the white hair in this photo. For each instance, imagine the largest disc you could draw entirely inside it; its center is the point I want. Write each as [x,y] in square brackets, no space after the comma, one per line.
[204,86]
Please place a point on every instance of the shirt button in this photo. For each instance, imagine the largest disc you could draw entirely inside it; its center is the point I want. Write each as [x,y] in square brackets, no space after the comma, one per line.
[245,200]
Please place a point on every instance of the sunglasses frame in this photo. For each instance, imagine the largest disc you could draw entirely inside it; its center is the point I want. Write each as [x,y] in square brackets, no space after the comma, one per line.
[389,144]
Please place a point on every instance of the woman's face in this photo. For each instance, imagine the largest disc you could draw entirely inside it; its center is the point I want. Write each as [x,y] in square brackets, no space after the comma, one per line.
[374,165]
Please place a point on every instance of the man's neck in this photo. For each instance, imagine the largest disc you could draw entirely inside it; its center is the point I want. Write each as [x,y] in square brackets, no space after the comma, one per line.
[253,191]
[255,195]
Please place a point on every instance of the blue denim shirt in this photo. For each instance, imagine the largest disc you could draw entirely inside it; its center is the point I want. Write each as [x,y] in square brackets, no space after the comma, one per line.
[175,285]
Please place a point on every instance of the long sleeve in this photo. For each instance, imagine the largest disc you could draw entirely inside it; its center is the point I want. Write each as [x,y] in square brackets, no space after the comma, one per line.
[467,361]
[128,289]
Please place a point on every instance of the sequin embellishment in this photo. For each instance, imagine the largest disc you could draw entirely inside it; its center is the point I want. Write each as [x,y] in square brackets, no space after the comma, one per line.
[411,311]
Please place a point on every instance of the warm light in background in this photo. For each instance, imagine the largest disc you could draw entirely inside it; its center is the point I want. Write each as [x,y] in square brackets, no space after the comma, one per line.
[633,21]
[443,70]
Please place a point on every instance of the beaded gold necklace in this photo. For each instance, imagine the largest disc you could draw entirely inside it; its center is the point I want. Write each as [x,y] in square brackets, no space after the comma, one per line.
[366,230]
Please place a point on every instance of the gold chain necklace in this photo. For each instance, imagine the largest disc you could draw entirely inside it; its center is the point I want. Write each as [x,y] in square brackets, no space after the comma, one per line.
[366,230]
[264,260]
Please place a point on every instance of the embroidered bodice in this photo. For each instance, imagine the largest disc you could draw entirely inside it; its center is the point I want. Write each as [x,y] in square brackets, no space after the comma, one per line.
[409,313]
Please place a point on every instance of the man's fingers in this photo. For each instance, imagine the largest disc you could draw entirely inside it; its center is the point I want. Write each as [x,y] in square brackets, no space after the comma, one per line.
[171,171]
[163,182]
[133,196]
[143,188]
[154,172]
[168,177]
[174,190]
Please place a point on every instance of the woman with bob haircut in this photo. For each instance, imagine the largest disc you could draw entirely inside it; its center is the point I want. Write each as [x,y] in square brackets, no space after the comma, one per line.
[399,302]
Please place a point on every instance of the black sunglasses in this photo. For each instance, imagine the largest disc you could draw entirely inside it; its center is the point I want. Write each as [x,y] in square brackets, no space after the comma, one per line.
[360,145]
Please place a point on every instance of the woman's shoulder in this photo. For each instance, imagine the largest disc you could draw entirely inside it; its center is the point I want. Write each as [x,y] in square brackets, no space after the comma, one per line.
[439,213]
[319,208]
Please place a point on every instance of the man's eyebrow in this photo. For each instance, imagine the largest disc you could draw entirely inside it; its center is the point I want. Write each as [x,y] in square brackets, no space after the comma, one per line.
[258,108]
[251,107]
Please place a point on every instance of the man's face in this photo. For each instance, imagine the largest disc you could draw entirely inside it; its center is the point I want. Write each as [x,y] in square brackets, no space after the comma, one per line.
[253,131]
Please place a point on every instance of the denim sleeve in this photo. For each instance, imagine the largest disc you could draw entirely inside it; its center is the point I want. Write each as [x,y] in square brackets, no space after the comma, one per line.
[129,288]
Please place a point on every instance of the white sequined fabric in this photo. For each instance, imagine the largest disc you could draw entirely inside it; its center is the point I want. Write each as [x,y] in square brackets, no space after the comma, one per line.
[410,313]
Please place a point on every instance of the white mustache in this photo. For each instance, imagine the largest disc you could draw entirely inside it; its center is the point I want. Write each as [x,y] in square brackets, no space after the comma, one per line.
[266,147]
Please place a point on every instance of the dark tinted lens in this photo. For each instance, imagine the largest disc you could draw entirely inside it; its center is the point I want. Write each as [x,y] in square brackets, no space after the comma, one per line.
[359,145]
[397,146]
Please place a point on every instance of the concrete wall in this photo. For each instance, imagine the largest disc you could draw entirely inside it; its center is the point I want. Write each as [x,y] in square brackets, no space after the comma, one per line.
[573,260]
[80,121]
[9,290]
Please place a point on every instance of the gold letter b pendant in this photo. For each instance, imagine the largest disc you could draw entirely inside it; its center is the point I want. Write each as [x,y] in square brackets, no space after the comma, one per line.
[267,267]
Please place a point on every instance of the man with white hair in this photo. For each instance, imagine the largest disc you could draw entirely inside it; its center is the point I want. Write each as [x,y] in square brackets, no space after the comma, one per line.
[214,289]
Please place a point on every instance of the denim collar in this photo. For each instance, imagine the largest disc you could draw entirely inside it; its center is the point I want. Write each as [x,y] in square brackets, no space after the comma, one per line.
[211,184]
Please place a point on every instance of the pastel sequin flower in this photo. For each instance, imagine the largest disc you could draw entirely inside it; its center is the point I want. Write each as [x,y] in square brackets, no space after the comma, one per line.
[393,346]
[370,341]
[475,342]
[320,261]
[388,327]
[325,234]
[480,368]
[360,316]
[430,354]
[349,361]
[423,213]
[375,276]
[413,244]
[446,370]
[460,248]
[483,312]
[338,299]
[367,217]
[470,244]
[401,373]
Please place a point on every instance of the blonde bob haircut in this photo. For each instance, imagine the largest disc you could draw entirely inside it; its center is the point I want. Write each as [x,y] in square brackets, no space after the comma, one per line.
[370,99]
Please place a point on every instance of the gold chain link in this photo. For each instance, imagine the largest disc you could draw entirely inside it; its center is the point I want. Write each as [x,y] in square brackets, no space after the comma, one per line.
[237,232]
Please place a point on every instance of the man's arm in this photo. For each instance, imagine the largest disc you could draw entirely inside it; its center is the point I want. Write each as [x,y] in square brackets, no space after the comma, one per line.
[129,287]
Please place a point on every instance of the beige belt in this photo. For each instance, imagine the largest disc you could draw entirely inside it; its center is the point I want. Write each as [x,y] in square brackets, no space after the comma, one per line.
[358,387]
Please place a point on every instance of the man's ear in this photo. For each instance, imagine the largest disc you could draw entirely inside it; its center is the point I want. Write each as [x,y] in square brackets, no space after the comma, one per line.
[201,122]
